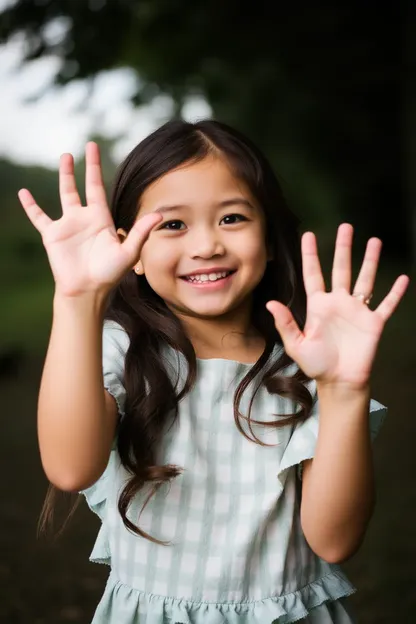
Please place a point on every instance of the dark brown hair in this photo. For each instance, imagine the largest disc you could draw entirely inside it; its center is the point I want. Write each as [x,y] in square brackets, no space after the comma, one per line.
[151,398]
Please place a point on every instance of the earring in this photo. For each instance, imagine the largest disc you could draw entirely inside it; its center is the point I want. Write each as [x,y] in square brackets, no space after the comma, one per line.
[136,270]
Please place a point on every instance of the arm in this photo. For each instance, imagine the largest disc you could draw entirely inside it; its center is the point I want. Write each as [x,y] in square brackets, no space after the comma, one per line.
[76,423]
[338,493]
[337,348]
[76,417]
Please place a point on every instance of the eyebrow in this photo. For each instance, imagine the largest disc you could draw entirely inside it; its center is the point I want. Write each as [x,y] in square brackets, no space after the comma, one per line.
[224,204]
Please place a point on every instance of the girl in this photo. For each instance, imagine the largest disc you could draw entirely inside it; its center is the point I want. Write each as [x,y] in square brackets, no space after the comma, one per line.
[212,406]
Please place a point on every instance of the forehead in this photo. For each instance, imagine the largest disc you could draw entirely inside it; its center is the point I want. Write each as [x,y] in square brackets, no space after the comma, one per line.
[208,181]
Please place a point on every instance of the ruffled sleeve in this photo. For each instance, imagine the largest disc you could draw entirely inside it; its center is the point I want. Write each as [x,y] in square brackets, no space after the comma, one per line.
[115,344]
[302,443]
[96,495]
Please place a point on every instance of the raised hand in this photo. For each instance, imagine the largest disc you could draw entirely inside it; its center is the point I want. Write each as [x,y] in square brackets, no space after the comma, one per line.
[341,334]
[83,248]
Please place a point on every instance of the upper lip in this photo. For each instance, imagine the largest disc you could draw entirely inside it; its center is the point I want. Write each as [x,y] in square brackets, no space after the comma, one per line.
[207,271]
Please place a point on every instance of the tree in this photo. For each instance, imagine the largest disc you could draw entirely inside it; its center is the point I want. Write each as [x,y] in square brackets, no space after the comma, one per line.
[317,85]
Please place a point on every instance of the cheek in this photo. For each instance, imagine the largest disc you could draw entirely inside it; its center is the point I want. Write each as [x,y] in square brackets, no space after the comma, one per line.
[254,254]
[158,258]
[253,248]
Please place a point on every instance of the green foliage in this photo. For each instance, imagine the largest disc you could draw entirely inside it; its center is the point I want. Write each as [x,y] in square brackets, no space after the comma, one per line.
[27,282]
[319,84]
[318,87]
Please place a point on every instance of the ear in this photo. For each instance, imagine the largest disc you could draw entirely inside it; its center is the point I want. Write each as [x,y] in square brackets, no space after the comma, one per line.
[138,268]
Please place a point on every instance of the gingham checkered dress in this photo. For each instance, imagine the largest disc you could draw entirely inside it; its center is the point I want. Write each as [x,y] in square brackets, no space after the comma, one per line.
[237,552]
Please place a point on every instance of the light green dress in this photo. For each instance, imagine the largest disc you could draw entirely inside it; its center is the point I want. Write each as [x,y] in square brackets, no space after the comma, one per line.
[237,553]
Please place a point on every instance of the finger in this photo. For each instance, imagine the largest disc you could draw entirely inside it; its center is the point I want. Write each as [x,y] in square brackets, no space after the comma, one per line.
[67,187]
[367,275]
[286,326]
[341,269]
[94,185]
[36,215]
[392,299]
[139,233]
[311,267]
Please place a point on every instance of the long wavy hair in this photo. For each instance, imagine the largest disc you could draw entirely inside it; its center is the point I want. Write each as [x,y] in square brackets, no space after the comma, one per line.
[151,398]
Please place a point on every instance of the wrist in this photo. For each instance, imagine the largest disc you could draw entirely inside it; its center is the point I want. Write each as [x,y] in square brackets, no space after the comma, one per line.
[343,409]
[343,388]
[92,302]
[343,393]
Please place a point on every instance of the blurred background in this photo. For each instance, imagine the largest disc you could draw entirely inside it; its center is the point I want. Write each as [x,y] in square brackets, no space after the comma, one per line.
[328,91]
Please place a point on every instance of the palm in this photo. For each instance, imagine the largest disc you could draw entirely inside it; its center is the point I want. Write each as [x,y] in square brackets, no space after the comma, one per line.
[336,325]
[83,248]
[341,334]
[86,243]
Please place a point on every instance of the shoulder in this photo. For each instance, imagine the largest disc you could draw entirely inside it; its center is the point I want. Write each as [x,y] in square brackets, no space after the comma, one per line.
[111,326]
[114,335]
[115,344]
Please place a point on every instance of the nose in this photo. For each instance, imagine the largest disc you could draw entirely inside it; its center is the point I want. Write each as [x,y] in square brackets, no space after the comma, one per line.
[206,243]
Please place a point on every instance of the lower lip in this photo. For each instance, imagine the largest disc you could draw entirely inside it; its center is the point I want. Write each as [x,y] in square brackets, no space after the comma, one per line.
[208,285]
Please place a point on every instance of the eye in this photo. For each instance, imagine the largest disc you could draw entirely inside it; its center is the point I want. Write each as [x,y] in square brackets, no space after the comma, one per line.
[233,216]
[175,225]
[164,226]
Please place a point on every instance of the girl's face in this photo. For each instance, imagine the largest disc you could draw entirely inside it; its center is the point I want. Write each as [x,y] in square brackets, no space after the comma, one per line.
[211,224]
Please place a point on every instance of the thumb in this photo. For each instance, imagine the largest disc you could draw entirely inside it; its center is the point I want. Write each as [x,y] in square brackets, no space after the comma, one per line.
[286,326]
[139,233]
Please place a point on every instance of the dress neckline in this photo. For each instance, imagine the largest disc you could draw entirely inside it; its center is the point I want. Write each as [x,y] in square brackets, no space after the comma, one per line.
[207,361]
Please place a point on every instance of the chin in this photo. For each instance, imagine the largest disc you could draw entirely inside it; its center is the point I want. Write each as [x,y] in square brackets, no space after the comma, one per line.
[210,311]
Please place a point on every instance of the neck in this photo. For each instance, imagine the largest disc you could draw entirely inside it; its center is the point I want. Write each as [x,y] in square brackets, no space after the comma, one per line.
[224,336]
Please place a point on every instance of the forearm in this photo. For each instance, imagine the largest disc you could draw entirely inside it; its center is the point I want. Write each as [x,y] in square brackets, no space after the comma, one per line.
[338,488]
[74,438]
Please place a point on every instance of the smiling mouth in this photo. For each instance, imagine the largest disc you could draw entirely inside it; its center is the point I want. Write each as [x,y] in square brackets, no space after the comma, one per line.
[206,278]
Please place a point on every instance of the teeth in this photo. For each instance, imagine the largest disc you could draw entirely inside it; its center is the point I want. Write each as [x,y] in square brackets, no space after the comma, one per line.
[205,277]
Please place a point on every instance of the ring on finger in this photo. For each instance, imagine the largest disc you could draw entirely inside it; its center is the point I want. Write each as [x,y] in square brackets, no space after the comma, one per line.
[363,297]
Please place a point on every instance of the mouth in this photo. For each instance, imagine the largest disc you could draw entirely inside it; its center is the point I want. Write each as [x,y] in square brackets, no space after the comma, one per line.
[210,280]
[207,277]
